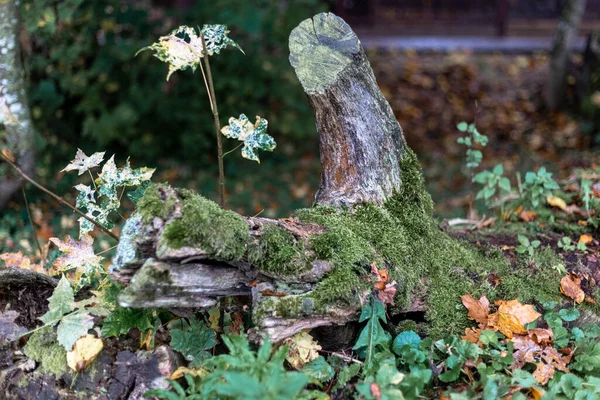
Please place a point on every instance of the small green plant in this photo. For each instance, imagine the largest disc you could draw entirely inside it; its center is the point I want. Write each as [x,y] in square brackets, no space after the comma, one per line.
[471,138]
[566,243]
[185,48]
[538,186]
[493,183]
[526,246]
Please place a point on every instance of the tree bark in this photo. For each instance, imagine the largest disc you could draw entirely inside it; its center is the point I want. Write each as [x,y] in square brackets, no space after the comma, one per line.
[361,141]
[17,133]
[565,36]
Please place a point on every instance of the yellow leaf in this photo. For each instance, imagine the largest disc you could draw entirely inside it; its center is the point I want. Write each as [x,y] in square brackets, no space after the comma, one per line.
[556,202]
[525,313]
[84,351]
[302,349]
[181,371]
[570,286]
[214,317]
[585,238]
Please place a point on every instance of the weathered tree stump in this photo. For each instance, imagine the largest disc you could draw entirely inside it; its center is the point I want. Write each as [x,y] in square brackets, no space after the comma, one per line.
[314,269]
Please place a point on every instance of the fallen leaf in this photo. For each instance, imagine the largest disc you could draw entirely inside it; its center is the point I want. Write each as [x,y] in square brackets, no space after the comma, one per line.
[302,349]
[472,335]
[526,351]
[181,371]
[20,261]
[84,351]
[528,216]
[387,294]
[525,313]
[556,202]
[272,293]
[537,393]
[585,238]
[509,325]
[541,336]
[543,373]
[478,309]
[570,286]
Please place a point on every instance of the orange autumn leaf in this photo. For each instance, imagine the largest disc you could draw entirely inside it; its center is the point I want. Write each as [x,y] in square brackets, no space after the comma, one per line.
[570,286]
[478,309]
[527,216]
[541,336]
[585,238]
[472,335]
[526,351]
[20,261]
[525,313]
[537,393]
[509,325]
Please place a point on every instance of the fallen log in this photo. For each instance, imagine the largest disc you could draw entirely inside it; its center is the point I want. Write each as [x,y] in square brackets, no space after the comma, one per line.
[315,268]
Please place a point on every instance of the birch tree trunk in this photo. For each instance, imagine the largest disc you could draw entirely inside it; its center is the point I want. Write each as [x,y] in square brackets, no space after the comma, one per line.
[16,128]
[565,36]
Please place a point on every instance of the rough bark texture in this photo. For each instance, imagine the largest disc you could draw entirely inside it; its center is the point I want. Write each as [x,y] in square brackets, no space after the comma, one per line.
[361,142]
[565,35]
[16,129]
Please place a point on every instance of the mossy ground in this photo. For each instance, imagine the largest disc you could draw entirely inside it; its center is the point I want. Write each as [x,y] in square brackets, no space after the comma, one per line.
[44,348]
[401,236]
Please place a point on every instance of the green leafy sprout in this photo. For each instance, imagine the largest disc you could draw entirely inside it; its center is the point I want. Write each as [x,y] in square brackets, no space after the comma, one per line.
[538,186]
[527,246]
[471,138]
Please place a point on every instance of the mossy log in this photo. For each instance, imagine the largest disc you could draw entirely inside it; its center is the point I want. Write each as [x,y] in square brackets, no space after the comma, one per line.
[314,269]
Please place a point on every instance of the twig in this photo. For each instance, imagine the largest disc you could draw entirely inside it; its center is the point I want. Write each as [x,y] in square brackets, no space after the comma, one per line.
[57,197]
[106,250]
[31,221]
[215,112]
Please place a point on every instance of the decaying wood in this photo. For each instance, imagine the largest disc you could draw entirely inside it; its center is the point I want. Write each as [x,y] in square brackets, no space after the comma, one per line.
[361,150]
[361,141]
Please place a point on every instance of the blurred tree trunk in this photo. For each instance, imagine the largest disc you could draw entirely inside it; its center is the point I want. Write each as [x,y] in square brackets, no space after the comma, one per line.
[16,128]
[565,36]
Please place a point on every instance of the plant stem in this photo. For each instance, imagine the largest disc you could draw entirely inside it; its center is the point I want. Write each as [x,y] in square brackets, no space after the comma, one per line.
[215,111]
[57,197]
[31,222]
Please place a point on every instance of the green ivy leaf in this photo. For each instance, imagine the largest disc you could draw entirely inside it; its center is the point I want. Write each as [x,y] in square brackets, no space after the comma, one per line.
[406,338]
[569,314]
[193,341]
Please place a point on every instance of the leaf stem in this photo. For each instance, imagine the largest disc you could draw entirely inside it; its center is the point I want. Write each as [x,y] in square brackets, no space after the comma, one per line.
[33,230]
[234,149]
[57,197]
[215,111]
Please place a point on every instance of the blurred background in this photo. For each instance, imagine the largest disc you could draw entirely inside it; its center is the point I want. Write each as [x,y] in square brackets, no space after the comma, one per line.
[438,62]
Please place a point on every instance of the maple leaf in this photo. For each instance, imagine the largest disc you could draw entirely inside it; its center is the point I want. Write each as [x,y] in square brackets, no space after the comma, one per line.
[386,296]
[478,309]
[20,261]
[254,136]
[319,370]
[570,285]
[72,323]
[302,349]
[193,340]
[83,163]
[182,48]
[78,256]
[84,351]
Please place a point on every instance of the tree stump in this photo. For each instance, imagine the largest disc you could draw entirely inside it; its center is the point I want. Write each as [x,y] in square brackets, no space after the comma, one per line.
[316,268]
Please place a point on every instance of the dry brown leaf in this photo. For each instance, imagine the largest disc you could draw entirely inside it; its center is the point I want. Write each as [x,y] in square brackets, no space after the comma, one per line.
[556,202]
[84,351]
[525,313]
[526,351]
[8,155]
[387,294]
[181,371]
[478,309]
[541,336]
[537,393]
[570,286]
[552,357]
[543,373]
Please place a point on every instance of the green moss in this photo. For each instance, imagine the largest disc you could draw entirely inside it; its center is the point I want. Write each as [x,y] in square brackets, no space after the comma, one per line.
[221,233]
[43,348]
[277,252]
[23,382]
[157,201]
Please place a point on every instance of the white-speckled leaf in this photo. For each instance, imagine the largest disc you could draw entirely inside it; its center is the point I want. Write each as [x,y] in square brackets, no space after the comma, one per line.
[82,163]
[216,39]
[182,48]
[85,196]
[79,259]
[255,136]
